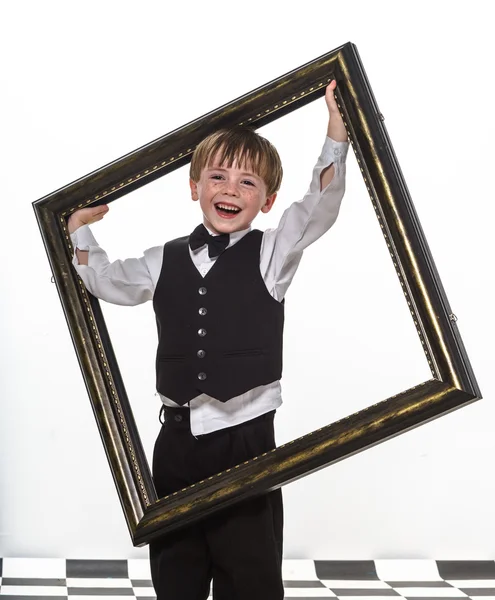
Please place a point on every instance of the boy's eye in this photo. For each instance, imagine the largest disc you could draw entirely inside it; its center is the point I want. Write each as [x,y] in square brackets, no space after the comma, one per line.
[248,182]
[216,177]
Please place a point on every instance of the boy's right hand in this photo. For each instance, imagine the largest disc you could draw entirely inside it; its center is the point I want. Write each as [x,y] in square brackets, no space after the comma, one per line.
[336,128]
[86,216]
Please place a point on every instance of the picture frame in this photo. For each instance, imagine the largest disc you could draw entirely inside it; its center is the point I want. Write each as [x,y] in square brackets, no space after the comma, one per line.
[452,385]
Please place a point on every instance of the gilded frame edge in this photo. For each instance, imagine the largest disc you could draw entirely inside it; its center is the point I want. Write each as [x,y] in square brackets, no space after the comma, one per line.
[453,383]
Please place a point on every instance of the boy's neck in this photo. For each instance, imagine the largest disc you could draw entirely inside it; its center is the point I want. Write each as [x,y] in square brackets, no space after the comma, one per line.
[233,234]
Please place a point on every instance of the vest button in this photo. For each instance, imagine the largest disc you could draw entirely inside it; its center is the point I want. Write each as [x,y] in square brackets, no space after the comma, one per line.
[178,418]
[200,353]
[202,311]
[202,291]
[201,332]
[201,376]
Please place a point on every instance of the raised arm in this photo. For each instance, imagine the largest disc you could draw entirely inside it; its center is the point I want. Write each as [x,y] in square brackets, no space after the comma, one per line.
[308,219]
[125,282]
[336,130]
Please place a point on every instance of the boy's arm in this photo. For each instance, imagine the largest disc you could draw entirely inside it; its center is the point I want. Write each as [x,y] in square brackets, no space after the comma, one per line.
[308,219]
[125,282]
[336,131]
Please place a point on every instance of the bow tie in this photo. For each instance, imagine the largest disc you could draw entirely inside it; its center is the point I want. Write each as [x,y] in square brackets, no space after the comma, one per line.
[216,243]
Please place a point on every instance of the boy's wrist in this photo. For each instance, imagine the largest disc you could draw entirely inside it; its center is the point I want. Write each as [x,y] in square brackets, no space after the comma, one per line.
[73,224]
[337,131]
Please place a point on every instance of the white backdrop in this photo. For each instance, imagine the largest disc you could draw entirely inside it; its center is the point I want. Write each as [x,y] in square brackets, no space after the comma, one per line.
[84,85]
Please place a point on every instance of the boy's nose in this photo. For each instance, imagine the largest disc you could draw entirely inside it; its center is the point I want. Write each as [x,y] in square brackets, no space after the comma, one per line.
[231,189]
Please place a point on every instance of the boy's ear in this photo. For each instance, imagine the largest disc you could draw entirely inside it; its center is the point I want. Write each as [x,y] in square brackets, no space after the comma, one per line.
[267,207]
[194,189]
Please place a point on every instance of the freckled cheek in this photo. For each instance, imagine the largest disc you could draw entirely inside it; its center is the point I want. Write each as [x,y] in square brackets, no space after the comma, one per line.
[210,190]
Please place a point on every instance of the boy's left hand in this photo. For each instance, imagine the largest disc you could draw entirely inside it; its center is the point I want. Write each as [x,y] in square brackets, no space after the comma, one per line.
[336,128]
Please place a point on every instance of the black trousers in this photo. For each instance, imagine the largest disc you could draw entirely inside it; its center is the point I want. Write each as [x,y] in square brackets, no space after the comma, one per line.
[239,548]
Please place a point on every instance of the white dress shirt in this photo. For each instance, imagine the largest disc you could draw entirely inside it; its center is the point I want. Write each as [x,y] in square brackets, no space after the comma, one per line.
[133,281]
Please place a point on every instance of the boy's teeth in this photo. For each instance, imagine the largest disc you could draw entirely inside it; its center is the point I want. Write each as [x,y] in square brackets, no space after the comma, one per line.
[229,208]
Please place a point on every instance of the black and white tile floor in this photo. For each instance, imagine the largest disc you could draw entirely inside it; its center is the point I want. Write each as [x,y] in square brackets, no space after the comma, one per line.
[49,579]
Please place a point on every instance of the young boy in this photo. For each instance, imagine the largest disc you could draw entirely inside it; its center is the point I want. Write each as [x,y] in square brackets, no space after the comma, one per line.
[219,358]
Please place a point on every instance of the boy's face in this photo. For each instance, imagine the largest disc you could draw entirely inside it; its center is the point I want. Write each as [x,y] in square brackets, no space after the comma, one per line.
[230,197]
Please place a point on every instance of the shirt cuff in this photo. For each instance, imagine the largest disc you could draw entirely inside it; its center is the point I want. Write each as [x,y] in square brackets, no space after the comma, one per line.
[82,238]
[334,152]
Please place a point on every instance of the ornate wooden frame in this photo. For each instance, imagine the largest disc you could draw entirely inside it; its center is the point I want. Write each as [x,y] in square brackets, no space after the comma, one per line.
[452,384]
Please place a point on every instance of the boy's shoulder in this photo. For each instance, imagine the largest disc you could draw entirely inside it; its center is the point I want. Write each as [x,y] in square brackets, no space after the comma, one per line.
[180,241]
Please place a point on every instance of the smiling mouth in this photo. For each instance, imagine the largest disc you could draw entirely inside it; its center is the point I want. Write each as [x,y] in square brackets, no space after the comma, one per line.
[227,210]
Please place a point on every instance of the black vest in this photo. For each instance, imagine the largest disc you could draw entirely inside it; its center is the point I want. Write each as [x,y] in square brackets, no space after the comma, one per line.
[221,334]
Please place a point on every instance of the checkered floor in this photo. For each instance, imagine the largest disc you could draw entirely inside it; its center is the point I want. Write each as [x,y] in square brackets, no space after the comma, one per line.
[350,580]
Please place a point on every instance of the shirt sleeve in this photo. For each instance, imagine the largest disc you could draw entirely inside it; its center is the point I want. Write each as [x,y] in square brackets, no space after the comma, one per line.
[126,282]
[304,221]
